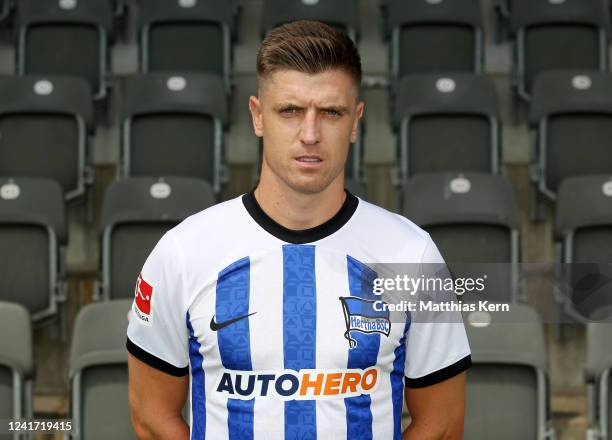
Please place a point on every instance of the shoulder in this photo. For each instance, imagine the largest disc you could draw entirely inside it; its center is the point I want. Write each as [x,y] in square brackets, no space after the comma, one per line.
[391,233]
[385,218]
[211,222]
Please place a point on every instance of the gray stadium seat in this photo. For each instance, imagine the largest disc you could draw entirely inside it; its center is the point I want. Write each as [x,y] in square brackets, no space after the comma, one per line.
[340,14]
[553,35]
[434,36]
[507,385]
[583,227]
[597,374]
[571,112]
[98,372]
[135,214]
[173,125]
[16,362]
[65,37]
[44,123]
[187,36]
[447,123]
[32,235]
[474,220]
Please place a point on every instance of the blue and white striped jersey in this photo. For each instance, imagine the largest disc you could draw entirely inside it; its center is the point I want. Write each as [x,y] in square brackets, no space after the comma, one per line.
[260,316]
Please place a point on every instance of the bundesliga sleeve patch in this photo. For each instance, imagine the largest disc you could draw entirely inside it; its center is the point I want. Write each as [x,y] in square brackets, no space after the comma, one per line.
[142,303]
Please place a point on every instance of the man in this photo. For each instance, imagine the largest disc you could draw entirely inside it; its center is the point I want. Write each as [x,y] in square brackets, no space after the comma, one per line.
[247,303]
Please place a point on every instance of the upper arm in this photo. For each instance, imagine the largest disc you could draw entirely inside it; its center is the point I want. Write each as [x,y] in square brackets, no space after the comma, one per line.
[153,392]
[438,409]
[437,356]
[158,336]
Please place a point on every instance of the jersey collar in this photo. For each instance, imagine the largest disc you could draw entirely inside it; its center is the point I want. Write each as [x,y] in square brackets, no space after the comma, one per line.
[304,235]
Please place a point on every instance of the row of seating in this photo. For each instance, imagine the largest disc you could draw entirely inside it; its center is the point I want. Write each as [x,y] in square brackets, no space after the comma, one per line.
[473,218]
[507,386]
[174,124]
[72,37]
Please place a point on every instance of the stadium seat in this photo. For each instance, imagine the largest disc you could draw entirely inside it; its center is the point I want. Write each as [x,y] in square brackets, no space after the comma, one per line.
[552,35]
[187,36]
[98,372]
[135,214]
[597,372]
[340,14]
[474,220]
[173,125]
[583,227]
[507,385]
[44,123]
[65,37]
[571,112]
[16,362]
[434,36]
[447,123]
[33,234]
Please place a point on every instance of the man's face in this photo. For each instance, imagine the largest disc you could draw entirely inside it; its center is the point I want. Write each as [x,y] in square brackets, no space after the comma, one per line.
[307,123]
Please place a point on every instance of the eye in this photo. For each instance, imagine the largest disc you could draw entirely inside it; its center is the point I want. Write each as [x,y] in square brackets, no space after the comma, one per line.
[288,111]
[333,113]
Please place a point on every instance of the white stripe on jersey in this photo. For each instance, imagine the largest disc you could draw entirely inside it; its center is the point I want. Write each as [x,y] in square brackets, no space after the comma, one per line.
[332,346]
[266,331]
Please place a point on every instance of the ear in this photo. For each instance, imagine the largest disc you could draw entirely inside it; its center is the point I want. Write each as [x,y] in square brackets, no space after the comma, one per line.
[358,116]
[255,108]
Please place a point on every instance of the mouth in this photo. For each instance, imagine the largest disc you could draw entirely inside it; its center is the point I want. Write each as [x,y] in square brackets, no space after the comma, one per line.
[309,159]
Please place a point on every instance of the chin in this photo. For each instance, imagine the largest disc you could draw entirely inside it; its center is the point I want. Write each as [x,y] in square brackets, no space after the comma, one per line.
[310,185]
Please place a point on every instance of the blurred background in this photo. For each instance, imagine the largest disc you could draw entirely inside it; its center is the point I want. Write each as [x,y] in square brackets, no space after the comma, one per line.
[487,123]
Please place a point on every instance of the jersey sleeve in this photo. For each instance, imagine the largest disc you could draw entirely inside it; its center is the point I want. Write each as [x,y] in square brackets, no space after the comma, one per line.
[157,332]
[436,350]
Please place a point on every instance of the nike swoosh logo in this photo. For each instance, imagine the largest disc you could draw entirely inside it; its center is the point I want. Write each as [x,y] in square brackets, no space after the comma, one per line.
[214,326]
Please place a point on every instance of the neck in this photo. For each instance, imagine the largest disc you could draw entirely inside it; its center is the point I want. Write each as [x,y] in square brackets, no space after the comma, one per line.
[295,210]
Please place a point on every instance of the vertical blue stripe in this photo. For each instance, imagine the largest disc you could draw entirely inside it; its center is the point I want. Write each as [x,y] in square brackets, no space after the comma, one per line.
[198,392]
[363,355]
[299,333]
[397,382]
[232,301]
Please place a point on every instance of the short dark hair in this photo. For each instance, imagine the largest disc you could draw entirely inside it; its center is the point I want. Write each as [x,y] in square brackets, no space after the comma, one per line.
[308,47]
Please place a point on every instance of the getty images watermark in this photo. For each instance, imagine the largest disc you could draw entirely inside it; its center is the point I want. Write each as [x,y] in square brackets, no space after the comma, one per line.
[432,292]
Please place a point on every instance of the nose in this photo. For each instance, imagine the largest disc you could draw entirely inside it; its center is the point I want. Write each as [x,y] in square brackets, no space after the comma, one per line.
[310,130]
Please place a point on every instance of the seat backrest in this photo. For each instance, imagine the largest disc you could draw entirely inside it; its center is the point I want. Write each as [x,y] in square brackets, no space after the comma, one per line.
[98,371]
[32,224]
[509,365]
[135,214]
[584,225]
[559,35]
[432,199]
[474,220]
[178,35]
[573,111]
[173,125]
[44,123]
[341,14]
[16,355]
[68,37]
[447,123]
[583,202]
[433,37]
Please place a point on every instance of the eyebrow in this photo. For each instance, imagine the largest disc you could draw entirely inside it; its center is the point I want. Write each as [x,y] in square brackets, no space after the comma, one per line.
[336,108]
